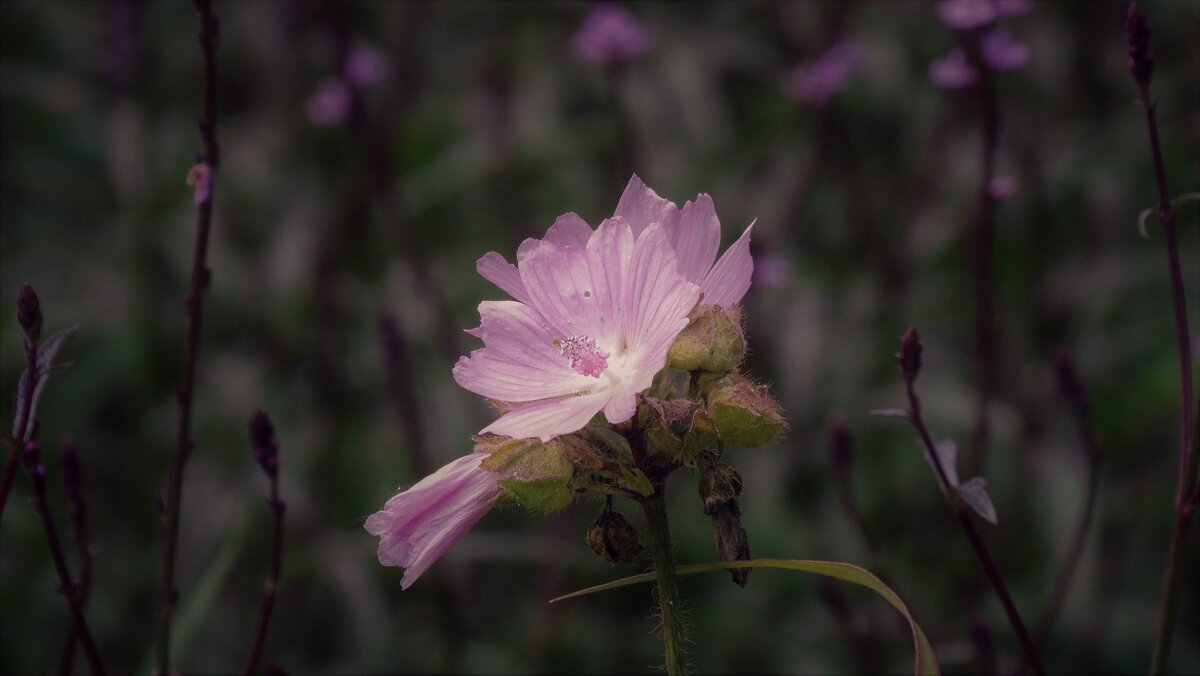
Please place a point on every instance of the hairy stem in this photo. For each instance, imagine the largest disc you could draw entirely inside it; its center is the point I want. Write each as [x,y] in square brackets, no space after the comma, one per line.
[193,304]
[655,508]
[964,520]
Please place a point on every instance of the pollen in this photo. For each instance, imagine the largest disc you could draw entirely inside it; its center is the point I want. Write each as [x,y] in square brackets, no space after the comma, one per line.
[583,355]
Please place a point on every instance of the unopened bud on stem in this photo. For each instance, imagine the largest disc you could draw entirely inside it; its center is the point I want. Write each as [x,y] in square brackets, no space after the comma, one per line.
[29,312]
[1141,59]
[263,442]
[909,356]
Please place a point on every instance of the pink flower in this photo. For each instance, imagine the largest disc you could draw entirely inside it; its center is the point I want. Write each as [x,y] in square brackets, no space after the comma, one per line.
[200,178]
[364,66]
[816,82]
[966,14]
[952,71]
[330,104]
[418,525]
[610,35]
[594,319]
[1002,52]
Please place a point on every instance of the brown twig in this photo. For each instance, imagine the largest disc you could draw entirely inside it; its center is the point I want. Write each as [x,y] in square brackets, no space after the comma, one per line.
[266,452]
[208,157]
[77,517]
[909,359]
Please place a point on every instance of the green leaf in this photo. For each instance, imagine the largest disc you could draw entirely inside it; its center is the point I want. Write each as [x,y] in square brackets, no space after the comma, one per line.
[546,495]
[637,481]
[925,661]
[1182,200]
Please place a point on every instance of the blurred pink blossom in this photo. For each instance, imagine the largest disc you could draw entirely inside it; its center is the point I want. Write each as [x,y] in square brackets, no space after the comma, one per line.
[1003,187]
[610,35]
[772,271]
[417,526]
[952,71]
[1002,52]
[364,66]
[597,311]
[330,104]
[966,14]
[200,178]
[1012,7]
[819,80]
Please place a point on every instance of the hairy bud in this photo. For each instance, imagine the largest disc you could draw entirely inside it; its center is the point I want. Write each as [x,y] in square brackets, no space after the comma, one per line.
[613,538]
[29,312]
[713,340]
[909,356]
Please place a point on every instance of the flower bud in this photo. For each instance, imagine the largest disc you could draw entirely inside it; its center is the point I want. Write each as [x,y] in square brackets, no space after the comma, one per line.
[712,340]
[1141,59]
[29,312]
[263,442]
[613,538]
[743,413]
[909,356]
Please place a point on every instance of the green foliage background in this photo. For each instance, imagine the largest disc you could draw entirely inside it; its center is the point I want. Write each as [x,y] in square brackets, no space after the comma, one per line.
[483,130]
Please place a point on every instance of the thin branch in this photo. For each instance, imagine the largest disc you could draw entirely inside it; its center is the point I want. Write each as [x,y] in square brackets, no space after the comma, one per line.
[909,359]
[209,159]
[37,474]
[77,517]
[1072,389]
[1141,66]
[29,316]
[266,452]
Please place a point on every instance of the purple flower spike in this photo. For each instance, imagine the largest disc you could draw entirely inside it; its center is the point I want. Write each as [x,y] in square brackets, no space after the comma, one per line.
[330,104]
[364,66]
[952,71]
[967,14]
[610,35]
[418,525]
[818,81]
[1002,52]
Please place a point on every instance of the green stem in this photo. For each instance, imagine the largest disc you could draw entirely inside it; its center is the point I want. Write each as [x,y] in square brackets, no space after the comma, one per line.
[655,508]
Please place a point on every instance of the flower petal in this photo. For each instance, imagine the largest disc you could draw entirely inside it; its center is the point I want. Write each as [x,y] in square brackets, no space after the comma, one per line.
[519,361]
[497,270]
[569,230]
[560,288]
[418,525]
[729,279]
[549,418]
[696,238]
[659,300]
[609,252]
[641,207]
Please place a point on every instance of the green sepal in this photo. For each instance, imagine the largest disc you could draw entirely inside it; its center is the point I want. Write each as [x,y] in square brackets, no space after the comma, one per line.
[546,495]
[613,441]
[743,413]
[669,383]
[637,481]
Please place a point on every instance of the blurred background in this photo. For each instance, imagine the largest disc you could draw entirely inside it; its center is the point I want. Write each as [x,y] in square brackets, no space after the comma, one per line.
[372,151]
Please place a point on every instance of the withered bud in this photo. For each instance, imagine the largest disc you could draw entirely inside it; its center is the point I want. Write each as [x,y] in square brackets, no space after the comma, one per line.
[613,538]
[263,442]
[1069,382]
[841,447]
[720,485]
[29,312]
[1137,31]
[909,356]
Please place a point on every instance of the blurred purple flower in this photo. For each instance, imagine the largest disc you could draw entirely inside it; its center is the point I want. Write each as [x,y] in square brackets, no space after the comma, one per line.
[364,66]
[200,178]
[597,311]
[952,71]
[772,271]
[1003,187]
[418,525]
[819,80]
[966,14]
[1012,7]
[330,104]
[610,35]
[1002,52]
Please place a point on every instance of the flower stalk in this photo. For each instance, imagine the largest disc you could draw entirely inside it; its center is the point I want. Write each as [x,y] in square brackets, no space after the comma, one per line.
[209,157]
[77,517]
[266,453]
[909,360]
[1141,67]
[655,509]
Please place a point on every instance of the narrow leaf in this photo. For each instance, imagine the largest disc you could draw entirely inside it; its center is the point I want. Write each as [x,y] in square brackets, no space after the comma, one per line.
[888,413]
[47,351]
[974,493]
[637,481]
[925,660]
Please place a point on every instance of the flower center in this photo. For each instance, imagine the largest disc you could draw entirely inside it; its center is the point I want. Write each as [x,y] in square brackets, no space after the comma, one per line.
[583,355]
